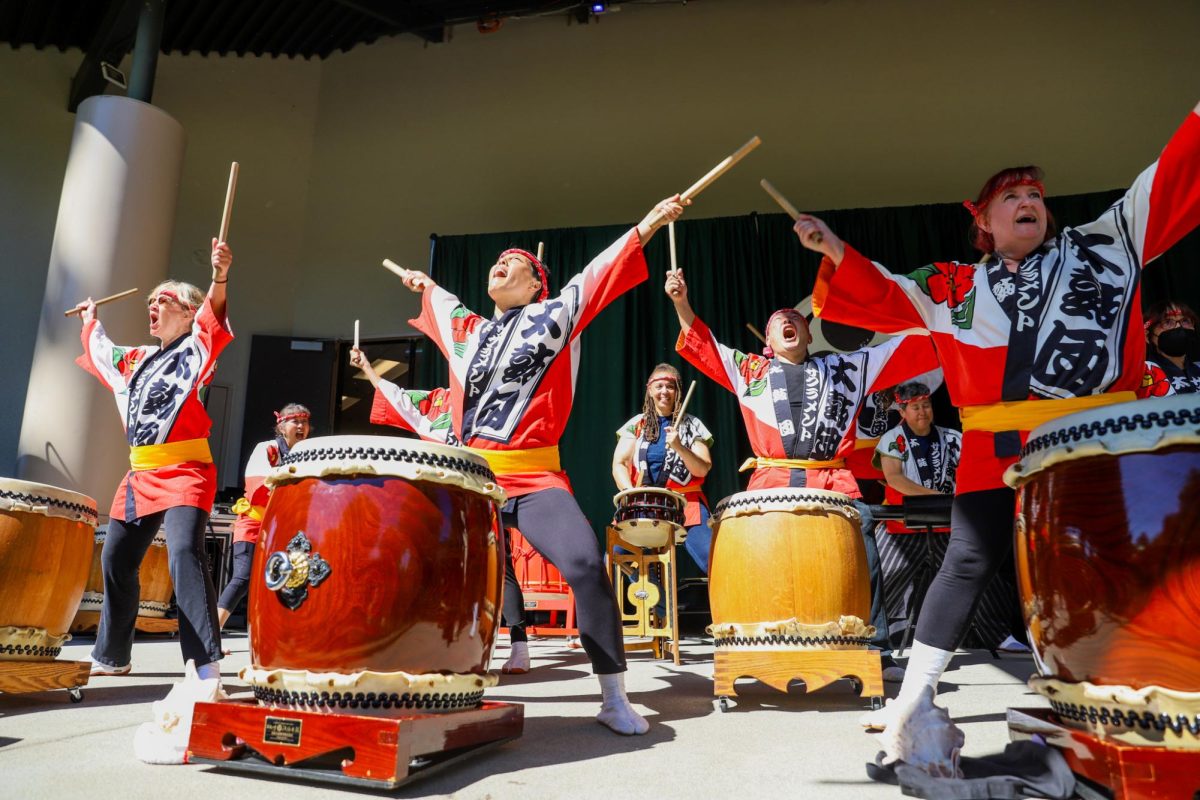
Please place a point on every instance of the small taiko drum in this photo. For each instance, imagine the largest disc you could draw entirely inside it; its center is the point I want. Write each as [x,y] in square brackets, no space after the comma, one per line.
[377,579]
[45,551]
[788,572]
[1108,567]
[154,579]
[649,517]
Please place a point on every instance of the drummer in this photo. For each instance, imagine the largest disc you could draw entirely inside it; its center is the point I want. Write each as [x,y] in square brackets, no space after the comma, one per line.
[172,481]
[801,411]
[427,414]
[512,383]
[1173,348]
[1044,325]
[656,449]
[918,457]
[291,426]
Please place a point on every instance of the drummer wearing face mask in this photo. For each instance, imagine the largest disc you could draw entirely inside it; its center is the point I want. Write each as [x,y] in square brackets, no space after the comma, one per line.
[1173,346]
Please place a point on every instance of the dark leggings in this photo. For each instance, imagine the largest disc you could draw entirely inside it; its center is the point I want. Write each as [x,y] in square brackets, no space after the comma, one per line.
[513,607]
[981,538]
[550,520]
[239,581]
[125,546]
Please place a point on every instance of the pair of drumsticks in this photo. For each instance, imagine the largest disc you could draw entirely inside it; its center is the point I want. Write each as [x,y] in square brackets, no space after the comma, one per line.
[225,216]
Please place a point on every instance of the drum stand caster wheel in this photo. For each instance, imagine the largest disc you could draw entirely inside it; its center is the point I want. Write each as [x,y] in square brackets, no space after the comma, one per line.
[876,702]
[723,704]
[856,685]
[76,694]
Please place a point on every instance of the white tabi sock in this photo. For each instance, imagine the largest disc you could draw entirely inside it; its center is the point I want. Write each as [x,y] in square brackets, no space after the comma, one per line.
[615,711]
[924,668]
[206,672]
[518,659]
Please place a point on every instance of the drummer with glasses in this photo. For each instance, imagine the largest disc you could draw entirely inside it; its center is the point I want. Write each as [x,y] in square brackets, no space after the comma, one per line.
[656,449]
[1172,350]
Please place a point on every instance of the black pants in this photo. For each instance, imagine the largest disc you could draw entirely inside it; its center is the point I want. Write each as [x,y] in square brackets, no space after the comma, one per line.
[513,608]
[550,520]
[239,581]
[981,539]
[125,546]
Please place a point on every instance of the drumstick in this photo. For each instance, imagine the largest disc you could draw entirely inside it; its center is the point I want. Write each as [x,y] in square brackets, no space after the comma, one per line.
[541,250]
[355,334]
[686,399]
[786,206]
[73,311]
[229,192]
[757,333]
[400,271]
[716,172]
[671,231]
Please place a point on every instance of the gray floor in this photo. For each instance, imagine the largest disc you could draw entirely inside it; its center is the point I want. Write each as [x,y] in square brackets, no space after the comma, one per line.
[770,745]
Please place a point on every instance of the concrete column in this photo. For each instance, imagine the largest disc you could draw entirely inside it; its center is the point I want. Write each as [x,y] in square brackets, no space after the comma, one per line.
[115,222]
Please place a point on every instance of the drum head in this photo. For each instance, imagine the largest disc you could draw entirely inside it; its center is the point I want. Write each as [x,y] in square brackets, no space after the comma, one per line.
[50,501]
[787,500]
[1137,427]
[344,456]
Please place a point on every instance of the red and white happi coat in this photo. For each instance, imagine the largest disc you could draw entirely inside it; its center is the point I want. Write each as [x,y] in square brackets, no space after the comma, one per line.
[675,474]
[427,414]
[158,397]
[874,421]
[265,457]
[935,470]
[1067,324]
[512,378]
[835,386]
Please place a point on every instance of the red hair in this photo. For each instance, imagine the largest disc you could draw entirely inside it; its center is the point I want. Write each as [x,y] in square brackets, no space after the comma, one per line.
[980,239]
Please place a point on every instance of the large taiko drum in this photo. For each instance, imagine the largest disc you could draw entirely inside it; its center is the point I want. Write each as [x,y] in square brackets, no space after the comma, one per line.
[650,517]
[154,578]
[788,572]
[377,578]
[45,552]
[1108,565]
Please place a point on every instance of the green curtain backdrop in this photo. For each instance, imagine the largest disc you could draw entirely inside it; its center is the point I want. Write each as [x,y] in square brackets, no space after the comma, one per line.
[739,270]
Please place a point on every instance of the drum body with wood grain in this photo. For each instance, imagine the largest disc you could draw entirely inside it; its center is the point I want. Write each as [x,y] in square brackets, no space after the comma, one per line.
[377,578]
[1108,563]
[789,571]
[45,551]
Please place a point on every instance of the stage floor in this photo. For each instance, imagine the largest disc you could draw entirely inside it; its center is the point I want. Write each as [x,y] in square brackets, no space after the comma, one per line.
[769,745]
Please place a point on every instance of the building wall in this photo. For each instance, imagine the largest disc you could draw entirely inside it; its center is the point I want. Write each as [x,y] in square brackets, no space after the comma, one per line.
[544,124]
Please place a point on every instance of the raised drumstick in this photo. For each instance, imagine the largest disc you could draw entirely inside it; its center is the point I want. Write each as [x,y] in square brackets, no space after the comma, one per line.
[757,333]
[541,250]
[355,334]
[687,398]
[229,193]
[717,171]
[671,232]
[70,312]
[786,206]
[400,271]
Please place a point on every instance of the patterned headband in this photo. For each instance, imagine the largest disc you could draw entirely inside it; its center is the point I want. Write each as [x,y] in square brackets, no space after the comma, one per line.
[295,415]
[175,297]
[767,350]
[903,401]
[976,210]
[537,265]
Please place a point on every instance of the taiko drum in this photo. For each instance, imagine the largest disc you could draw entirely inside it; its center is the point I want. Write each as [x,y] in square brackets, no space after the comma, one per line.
[45,551]
[377,578]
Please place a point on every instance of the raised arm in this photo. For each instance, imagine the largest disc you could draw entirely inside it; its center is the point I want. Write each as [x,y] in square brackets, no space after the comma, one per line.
[222,260]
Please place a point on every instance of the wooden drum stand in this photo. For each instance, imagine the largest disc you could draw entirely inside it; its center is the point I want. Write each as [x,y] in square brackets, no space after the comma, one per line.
[632,579]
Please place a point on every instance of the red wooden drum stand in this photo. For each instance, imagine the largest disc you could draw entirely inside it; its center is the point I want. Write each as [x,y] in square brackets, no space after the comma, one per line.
[789,591]
[45,551]
[374,607]
[1108,566]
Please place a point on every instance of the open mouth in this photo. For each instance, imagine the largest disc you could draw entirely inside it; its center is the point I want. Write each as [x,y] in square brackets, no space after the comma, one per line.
[789,333]
[1027,219]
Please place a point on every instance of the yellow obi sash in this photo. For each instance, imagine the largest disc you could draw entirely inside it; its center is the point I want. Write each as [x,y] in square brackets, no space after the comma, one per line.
[863,444]
[513,462]
[243,508]
[1025,415]
[153,456]
[689,489]
[791,463]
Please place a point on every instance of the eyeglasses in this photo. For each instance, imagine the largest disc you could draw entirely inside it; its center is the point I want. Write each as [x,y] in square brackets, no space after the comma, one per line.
[1170,323]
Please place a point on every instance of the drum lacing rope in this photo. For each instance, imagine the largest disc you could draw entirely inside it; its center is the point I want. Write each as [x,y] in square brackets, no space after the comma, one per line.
[30,650]
[776,499]
[87,512]
[435,702]
[745,641]
[1129,719]
[436,460]
[1178,418]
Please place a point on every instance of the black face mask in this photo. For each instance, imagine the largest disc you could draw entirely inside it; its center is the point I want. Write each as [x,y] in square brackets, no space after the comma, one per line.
[1178,342]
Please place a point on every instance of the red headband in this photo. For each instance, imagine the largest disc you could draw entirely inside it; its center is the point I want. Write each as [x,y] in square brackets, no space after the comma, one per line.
[282,418]
[537,265]
[976,210]
[783,312]
[900,402]
[658,376]
[175,297]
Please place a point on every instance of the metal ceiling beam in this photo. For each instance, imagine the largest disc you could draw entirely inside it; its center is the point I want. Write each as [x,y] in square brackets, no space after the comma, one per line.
[430,27]
[111,42]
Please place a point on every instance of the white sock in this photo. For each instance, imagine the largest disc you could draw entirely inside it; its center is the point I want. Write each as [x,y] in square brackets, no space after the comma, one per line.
[924,668]
[207,672]
[518,658]
[615,711]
